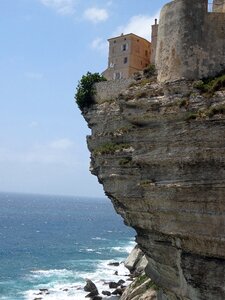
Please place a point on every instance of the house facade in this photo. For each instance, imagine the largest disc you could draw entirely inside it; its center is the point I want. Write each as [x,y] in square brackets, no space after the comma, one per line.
[128,54]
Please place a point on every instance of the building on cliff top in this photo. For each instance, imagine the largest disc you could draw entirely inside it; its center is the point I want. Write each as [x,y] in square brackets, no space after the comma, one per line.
[191,40]
[127,54]
[188,43]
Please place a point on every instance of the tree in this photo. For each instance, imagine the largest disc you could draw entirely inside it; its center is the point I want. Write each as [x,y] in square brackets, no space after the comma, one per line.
[85,90]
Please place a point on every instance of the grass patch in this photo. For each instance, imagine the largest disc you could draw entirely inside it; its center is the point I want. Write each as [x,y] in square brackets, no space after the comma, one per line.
[152,285]
[140,280]
[210,85]
[145,183]
[125,161]
[141,95]
[191,116]
[183,103]
[220,109]
[143,278]
[110,148]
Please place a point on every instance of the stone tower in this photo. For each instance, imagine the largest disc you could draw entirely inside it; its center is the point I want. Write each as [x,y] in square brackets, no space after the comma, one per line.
[219,6]
[154,41]
[191,40]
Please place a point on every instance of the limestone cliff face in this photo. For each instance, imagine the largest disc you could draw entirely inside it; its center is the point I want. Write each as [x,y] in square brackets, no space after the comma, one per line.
[159,151]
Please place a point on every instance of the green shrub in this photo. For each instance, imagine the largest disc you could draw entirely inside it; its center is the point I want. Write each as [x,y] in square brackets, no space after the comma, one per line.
[210,85]
[220,109]
[110,148]
[140,280]
[85,89]
[149,71]
[191,116]
[125,161]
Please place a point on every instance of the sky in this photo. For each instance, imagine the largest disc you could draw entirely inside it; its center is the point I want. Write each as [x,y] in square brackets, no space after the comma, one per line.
[45,48]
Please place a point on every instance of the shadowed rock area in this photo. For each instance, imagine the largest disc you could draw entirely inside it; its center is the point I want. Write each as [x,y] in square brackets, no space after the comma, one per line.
[159,151]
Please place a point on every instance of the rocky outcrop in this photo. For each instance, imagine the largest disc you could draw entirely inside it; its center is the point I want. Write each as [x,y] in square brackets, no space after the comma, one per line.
[159,152]
[136,262]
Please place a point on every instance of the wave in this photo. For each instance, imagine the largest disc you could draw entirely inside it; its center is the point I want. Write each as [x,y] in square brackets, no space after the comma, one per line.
[62,284]
[97,238]
[125,249]
[68,284]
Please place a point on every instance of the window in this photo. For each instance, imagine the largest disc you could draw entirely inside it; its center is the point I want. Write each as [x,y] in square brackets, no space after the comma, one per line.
[117,75]
[114,42]
[125,60]
[146,52]
[124,47]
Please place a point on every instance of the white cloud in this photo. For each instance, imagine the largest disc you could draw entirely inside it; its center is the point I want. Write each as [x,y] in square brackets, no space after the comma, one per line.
[139,25]
[60,151]
[100,44]
[34,75]
[61,144]
[33,124]
[96,15]
[63,7]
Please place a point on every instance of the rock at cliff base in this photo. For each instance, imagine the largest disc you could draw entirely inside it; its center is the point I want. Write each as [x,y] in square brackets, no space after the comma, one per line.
[136,261]
[92,294]
[115,264]
[106,293]
[113,285]
[90,286]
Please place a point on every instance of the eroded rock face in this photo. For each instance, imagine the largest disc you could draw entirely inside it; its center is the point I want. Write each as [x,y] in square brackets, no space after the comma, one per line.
[159,151]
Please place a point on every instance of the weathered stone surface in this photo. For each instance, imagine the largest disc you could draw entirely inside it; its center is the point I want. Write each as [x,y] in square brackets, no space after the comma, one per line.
[160,155]
[136,262]
[190,41]
[134,292]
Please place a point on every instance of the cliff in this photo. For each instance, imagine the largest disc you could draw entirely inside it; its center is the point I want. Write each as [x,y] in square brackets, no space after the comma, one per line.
[158,150]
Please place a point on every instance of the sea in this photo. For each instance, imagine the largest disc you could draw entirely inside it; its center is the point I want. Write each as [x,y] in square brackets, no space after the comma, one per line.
[49,245]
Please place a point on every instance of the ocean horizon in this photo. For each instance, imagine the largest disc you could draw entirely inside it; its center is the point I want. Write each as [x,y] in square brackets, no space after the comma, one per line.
[54,243]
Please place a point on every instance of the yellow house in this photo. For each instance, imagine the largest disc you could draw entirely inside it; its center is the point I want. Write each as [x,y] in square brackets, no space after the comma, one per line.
[128,54]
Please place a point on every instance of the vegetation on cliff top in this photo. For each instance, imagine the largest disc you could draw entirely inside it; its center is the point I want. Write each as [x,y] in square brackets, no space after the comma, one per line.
[85,90]
[209,86]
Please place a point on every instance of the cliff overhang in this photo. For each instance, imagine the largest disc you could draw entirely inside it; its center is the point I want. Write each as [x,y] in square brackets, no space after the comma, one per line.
[158,149]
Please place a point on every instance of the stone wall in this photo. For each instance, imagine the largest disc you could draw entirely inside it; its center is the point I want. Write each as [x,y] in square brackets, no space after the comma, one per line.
[109,90]
[219,6]
[191,43]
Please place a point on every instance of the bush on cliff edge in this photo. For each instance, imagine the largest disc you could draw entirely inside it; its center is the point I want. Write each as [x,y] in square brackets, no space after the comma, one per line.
[85,89]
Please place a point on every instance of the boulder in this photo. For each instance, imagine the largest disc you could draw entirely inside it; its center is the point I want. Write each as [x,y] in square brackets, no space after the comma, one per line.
[92,294]
[97,298]
[118,291]
[106,293]
[115,264]
[121,281]
[136,261]
[113,285]
[90,286]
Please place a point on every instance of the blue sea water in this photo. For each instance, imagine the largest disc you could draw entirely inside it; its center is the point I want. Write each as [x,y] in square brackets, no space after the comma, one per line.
[55,242]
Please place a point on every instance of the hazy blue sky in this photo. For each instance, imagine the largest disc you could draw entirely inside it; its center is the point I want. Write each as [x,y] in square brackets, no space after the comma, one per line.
[45,47]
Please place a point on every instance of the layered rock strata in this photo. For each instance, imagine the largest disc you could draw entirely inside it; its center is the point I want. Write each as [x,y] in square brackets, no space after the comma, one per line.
[159,151]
